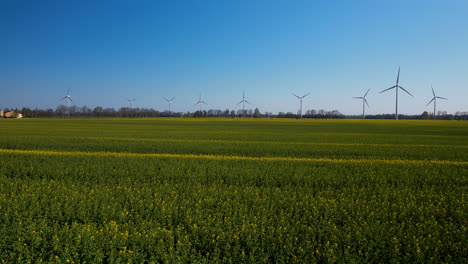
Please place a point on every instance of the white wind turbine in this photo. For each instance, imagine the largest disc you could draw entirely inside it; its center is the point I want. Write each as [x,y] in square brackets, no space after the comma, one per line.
[130,101]
[69,100]
[169,101]
[300,99]
[363,98]
[243,103]
[397,87]
[200,102]
[435,99]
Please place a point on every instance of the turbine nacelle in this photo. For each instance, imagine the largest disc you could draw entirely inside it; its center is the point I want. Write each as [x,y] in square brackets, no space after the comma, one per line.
[200,102]
[434,99]
[67,96]
[243,99]
[363,98]
[396,87]
[131,101]
[301,97]
[169,100]
[300,100]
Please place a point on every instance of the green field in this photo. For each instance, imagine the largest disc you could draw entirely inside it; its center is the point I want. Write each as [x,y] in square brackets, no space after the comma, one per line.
[233,191]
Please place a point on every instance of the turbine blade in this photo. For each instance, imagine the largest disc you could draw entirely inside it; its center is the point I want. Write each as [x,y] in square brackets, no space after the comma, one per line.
[239,102]
[63,98]
[366,93]
[366,102]
[389,88]
[441,97]
[247,102]
[196,104]
[431,101]
[358,97]
[398,77]
[203,102]
[173,98]
[296,96]
[166,99]
[405,90]
[433,91]
[305,95]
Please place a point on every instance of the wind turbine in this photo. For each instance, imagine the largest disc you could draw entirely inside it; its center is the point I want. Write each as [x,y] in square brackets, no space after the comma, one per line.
[397,86]
[435,99]
[69,100]
[300,99]
[243,103]
[200,102]
[363,101]
[169,101]
[130,101]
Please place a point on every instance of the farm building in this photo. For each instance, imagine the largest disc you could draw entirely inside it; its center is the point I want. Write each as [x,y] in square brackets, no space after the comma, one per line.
[12,114]
[1,113]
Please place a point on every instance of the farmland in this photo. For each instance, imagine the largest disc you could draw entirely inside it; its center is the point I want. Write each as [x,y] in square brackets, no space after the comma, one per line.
[233,191]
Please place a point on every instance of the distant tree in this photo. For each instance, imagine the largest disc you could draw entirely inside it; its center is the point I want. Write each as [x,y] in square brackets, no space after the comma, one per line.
[256,113]
[26,112]
[86,111]
[425,115]
[97,111]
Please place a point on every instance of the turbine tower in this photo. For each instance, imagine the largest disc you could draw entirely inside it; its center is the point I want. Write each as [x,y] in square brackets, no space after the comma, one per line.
[397,87]
[300,99]
[200,102]
[435,99]
[243,103]
[363,98]
[69,100]
[169,101]
[130,101]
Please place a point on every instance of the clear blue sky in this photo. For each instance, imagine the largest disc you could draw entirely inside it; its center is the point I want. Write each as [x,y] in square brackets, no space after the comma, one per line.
[106,51]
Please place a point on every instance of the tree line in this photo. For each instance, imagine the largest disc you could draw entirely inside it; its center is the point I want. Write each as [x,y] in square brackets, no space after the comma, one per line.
[127,112]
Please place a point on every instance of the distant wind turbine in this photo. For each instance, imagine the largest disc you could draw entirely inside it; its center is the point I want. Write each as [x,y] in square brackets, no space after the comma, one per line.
[300,99]
[169,101]
[363,98]
[69,100]
[243,103]
[130,101]
[397,87]
[200,102]
[435,99]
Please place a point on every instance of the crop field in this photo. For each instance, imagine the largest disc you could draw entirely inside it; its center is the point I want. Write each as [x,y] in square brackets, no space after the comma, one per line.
[233,191]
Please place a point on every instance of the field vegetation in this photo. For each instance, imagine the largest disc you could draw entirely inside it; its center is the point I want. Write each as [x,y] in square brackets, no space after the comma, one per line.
[233,191]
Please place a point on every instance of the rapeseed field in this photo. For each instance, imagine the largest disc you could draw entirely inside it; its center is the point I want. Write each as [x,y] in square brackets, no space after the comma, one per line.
[233,191]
